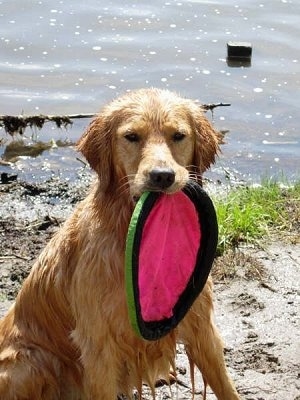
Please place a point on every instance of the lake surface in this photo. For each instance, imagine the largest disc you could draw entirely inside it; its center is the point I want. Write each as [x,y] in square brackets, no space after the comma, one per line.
[62,57]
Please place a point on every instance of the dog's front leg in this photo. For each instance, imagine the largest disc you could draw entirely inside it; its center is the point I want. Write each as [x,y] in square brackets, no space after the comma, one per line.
[99,380]
[204,346]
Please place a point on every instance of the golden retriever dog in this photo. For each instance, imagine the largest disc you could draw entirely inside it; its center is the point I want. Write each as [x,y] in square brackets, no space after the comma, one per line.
[68,335]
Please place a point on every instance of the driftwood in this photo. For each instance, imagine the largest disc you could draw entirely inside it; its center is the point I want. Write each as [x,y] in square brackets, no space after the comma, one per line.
[17,124]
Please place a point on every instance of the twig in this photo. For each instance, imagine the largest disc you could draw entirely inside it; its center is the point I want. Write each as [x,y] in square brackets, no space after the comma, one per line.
[13,256]
[83,162]
[212,106]
[267,286]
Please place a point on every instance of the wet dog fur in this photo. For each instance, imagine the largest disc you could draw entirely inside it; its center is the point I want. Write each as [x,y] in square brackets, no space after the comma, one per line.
[68,335]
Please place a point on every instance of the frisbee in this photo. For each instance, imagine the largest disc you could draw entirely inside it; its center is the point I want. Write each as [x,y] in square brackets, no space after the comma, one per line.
[170,247]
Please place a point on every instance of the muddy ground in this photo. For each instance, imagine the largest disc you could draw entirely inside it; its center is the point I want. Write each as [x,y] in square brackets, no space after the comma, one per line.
[256,292]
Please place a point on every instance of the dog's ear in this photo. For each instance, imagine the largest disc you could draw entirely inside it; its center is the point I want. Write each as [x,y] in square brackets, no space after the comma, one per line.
[96,146]
[207,141]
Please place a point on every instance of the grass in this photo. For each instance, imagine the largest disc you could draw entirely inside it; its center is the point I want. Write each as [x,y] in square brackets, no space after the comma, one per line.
[249,214]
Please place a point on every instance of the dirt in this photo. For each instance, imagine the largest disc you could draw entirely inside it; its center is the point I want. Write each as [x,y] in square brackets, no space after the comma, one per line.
[257,292]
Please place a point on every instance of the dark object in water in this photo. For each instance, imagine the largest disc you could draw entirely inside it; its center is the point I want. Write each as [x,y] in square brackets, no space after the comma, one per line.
[239,54]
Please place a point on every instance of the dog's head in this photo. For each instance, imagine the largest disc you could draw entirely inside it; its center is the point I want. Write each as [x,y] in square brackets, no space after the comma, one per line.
[149,139]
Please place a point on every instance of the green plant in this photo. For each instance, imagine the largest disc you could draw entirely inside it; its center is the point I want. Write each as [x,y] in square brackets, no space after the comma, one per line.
[246,214]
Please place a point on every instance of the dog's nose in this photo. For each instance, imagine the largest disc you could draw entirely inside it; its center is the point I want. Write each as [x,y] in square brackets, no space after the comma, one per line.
[162,178]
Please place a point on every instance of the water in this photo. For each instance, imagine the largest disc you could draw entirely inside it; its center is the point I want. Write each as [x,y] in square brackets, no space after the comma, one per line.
[72,57]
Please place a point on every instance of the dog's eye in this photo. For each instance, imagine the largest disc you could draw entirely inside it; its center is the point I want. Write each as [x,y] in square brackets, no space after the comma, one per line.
[178,136]
[132,137]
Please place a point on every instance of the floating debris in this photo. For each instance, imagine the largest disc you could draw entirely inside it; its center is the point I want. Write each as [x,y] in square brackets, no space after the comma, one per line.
[17,124]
